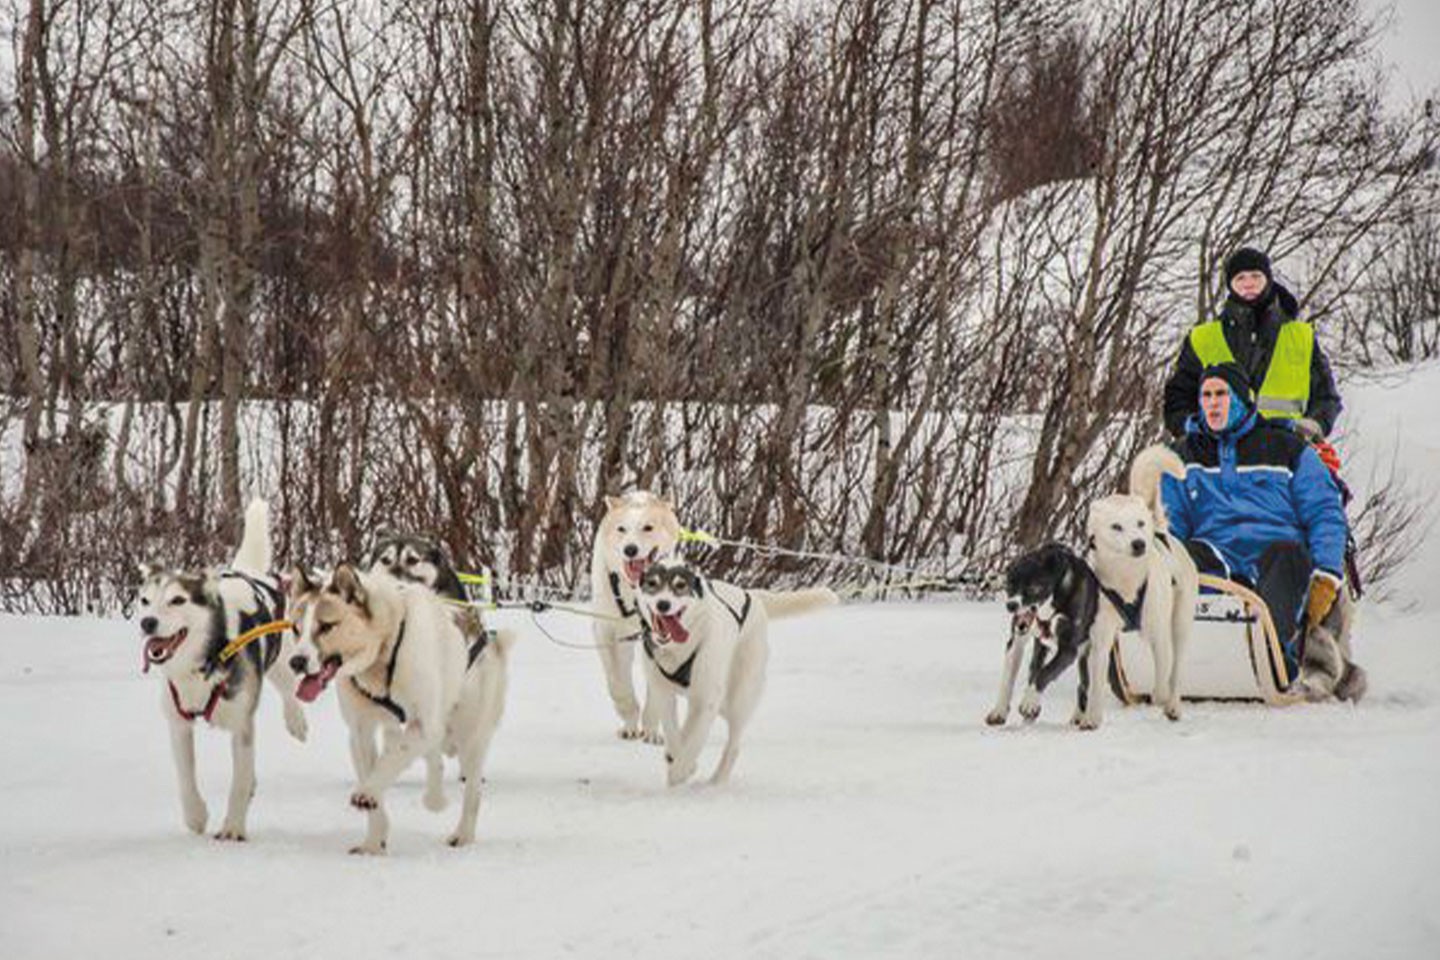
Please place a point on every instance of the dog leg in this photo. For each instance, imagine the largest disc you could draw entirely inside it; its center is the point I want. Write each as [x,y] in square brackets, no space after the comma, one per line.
[242,783]
[434,798]
[1182,621]
[182,744]
[1162,652]
[617,659]
[650,723]
[362,748]
[1097,662]
[282,678]
[400,751]
[472,760]
[1030,702]
[686,752]
[1014,651]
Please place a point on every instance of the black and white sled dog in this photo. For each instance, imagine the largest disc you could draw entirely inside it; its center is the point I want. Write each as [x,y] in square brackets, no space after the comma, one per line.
[1053,597]
[187,619]
[636,530]
[1148,581]
[706,640]
[405,670]
[416,558]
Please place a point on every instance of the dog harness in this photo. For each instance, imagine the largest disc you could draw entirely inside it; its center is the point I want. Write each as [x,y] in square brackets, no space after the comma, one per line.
[385,700]
[267,601]
[681,675]
[644,632]
[1129,612]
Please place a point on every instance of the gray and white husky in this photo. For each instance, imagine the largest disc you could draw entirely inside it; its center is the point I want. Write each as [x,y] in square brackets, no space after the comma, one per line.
[187,618]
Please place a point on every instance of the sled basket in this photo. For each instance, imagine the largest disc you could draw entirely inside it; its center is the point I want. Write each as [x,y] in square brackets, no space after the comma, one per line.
[1234,652]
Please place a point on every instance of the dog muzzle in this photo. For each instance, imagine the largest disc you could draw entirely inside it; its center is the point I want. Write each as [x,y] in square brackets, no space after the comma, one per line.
[635,567]
[667,628]
[314,684]
[160,649]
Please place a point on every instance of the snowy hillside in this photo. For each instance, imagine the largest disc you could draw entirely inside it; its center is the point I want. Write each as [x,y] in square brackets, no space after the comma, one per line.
[872,815]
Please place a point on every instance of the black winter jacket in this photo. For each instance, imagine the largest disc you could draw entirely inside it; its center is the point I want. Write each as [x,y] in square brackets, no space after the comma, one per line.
[1251,330]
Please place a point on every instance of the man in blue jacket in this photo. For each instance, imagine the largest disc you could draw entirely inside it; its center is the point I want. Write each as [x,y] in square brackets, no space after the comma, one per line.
[1258,506]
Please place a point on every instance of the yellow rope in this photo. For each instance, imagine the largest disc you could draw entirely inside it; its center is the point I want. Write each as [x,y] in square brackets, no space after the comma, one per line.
[250,636]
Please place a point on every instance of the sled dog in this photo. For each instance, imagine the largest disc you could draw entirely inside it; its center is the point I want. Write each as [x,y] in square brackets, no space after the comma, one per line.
[1148,582]
[415,558]
[1052,598]
[637,529]
[187,618]
[706,640]
[405,669]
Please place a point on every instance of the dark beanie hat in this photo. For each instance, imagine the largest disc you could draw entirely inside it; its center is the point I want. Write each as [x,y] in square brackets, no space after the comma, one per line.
[1246,258]
[1235,377]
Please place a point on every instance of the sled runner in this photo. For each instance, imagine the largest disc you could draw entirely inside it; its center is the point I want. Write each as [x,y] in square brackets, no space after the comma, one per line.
[1233,653]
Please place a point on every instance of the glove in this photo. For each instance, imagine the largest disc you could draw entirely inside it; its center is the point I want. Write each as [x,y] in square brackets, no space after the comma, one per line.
[1324,588]
[1308,429]
[1328,455]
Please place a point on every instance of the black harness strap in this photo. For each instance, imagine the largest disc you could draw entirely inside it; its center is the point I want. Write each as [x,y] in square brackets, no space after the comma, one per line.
[478,647]
[385,701]
[681,676]
[744,613]
[644,632]
[1129,612]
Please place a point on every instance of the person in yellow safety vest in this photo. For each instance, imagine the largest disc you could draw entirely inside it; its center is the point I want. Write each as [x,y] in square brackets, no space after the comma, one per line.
[1259,331]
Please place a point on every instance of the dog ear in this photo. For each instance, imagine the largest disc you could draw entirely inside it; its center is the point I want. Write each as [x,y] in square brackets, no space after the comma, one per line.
[346,582]
[299,583]
[699,586]
[148,569]
[613,502]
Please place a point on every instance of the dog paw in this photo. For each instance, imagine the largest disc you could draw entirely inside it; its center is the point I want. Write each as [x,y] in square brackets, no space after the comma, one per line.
[460,839]
[630,733]
[363,800]
[235,834]
[1088,723]
[196,815]
[295,723]
[1030,711]
[653,737]
[678,773]
[995,718]
[368,850]
[1172,712]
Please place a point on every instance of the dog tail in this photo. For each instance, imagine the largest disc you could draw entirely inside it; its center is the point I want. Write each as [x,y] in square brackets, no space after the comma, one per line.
[1153,463]
[254,553]
[789,603]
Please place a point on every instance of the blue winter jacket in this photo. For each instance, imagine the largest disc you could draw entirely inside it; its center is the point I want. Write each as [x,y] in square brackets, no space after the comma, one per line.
[1252,485]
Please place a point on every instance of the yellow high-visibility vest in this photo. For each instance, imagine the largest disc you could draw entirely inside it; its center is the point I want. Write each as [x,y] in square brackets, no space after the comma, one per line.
[1286,391]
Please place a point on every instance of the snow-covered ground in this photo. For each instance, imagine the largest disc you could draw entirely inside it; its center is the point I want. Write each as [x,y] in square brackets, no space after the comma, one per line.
[872,814]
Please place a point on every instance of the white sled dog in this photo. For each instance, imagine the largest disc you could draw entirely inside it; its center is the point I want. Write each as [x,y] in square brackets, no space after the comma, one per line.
[706,640]
[1148,582]
[406,669]
[187,619]
[637,529]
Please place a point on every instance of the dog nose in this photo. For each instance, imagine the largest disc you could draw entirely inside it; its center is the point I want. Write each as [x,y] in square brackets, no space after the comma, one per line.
[149,624]
[1012,605]
[663,606]
[299,664]
[1137,547]
[631,549]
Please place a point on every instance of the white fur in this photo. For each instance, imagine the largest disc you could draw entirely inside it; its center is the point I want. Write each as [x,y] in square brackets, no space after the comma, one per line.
[727,675]
[1115,523]
[449,706]
[164,599]
[646,524]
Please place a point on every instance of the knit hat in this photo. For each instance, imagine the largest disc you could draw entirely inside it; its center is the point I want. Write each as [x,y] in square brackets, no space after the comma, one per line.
[1246,258]
[1242,395]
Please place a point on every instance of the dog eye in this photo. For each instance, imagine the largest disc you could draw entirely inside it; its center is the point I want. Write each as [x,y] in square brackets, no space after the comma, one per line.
[621,529]
[411,561]
[177,601]
[1117,528]
[679,585]
[649,527]
[323,628]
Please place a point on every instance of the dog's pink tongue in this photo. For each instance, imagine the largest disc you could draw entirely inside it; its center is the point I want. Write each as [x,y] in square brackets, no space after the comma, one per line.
[673,628]
[635,569]
[313,684]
